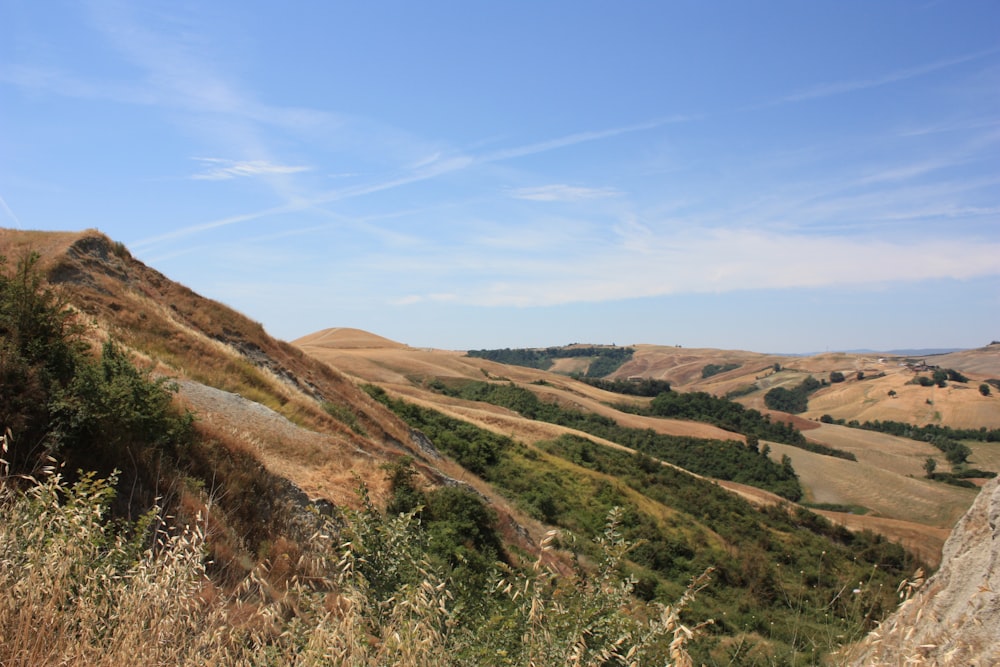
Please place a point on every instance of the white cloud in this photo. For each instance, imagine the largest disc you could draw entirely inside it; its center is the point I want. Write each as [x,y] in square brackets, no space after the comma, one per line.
[709,261]
[218,169]
[560,192]
[424,298]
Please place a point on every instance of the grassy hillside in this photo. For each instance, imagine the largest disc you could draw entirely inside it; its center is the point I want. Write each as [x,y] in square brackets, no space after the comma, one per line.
[459,493]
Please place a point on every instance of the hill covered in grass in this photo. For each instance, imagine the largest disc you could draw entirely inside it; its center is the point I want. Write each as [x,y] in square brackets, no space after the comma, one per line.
[445,502]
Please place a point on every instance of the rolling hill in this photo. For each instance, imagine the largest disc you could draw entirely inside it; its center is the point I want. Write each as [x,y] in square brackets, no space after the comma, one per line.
[280,427]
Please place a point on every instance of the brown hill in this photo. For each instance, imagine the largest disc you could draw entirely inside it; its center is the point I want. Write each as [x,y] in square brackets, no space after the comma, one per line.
[983,361]
[278,426]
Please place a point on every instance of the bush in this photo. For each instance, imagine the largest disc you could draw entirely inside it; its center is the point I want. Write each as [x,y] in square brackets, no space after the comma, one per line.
[794,400]
[714,369]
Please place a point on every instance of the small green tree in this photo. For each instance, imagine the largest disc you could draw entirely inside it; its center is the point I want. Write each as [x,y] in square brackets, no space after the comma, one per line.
[984,389]
[836,376]
[930,465]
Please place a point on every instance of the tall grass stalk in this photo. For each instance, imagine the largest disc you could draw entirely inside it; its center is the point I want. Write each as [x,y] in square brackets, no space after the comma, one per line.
[83,589]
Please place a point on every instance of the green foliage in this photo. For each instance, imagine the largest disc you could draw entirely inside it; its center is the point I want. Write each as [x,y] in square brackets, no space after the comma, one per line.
[984,389]
[606,360]
[643,387]
[930,465]
[714,369]
[460,528]
[475,449]
[111,413]
[39,354]
[723,460]
[794,400]
[836,376]
[343,414]
[93,414]
[701,406]
[955,376]
[574,482]
[741,391]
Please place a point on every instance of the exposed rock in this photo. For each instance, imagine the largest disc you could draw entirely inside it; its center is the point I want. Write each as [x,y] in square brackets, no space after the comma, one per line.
[954,619]
[424,443]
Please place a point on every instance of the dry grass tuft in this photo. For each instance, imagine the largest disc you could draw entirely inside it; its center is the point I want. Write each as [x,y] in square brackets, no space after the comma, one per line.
[82,589]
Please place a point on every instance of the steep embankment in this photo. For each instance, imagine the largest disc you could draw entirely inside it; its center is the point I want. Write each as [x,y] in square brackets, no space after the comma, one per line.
[253,396]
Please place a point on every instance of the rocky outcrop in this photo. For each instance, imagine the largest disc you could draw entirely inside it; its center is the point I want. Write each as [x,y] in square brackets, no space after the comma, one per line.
[954,618]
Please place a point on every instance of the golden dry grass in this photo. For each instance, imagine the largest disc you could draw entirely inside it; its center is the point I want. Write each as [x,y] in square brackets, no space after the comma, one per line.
[79,590]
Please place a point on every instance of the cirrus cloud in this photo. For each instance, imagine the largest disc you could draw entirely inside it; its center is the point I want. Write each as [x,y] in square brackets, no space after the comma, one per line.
[221,169]
[561,192]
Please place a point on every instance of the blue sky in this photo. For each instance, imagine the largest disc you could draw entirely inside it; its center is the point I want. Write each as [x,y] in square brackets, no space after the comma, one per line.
[773,176]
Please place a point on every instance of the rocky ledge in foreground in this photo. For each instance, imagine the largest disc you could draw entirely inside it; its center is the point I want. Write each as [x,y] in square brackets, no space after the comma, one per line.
[953,619]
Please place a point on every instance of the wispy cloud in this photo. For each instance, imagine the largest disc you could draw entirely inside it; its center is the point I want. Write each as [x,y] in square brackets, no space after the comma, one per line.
[580,138]
[219,169]
[954,126]
[840,87]
[433,167]
[716,261]
[564,193]
[10,213]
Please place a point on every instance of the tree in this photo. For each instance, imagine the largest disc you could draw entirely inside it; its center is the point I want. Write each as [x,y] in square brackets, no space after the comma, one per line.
[984,389]
[930,465]
[836,376]
[892,393]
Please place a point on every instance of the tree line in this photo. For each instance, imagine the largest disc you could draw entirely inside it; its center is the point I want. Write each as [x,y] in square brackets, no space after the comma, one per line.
[729,460]
[606,360]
